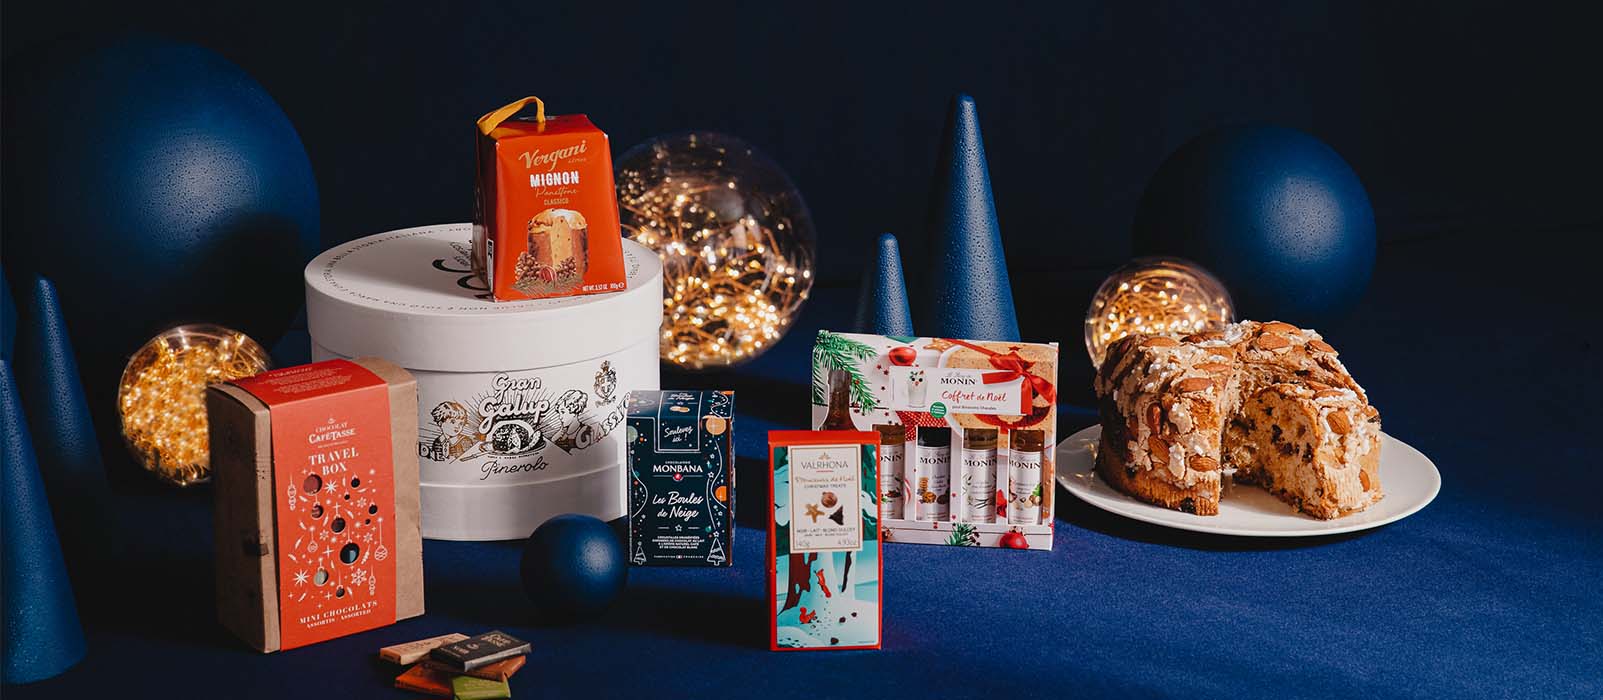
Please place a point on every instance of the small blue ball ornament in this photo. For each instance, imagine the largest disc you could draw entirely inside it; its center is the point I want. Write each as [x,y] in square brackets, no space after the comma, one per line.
[573,567]
[1274,212]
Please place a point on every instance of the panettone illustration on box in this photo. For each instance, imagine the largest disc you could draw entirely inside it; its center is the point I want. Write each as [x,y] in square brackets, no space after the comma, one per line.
[972,463]
[559,246]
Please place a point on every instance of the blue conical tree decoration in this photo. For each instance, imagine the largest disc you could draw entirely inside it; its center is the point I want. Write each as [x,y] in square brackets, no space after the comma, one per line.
[53,396]
[882,306]
[42,636]
[966,291]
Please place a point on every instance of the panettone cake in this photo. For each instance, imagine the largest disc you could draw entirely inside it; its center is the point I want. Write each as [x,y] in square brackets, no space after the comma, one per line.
[1269,401]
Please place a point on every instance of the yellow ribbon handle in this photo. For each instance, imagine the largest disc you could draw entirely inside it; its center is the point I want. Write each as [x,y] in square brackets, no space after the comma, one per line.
[488,122]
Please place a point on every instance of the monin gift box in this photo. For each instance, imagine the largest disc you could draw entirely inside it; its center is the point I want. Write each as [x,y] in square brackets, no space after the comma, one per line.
[681,477]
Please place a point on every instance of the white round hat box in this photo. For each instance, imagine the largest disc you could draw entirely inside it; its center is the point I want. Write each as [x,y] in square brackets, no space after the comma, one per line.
[520,403]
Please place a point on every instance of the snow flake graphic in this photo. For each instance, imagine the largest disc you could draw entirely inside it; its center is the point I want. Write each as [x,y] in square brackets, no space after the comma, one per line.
[358,577]
[300,578]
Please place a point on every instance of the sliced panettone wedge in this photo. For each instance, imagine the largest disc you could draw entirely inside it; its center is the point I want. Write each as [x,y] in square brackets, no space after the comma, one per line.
[1267,402]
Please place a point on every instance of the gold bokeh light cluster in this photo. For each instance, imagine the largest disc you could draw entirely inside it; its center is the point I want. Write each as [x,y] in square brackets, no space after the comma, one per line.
[1155,295]
[735,240]
[162,396]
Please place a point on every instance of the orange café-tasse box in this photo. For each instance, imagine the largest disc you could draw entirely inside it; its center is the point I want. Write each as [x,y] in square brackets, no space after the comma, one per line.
[546,219]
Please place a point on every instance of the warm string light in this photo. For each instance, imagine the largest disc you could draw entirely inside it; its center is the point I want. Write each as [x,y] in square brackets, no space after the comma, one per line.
[733,278]
[162,396]
[1155,295]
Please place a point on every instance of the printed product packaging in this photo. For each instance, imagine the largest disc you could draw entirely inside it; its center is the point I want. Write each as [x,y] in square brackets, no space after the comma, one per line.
[520,404]
[681,477]
[316,518]
[546,216]
[978,421]
[824,540]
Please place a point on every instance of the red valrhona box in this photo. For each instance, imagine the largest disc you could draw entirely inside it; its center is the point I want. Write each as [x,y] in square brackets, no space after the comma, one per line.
[316,489]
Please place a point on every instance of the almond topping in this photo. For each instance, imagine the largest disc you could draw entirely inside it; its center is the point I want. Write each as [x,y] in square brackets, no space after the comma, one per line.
[1327,393]
[1159,450]
[1177,468]
[1186,386]
[1225,351]
[1321,346]
[1214,367]
[1272,342]
[1202,463]
[1371,412]
[1278,327]
[1340,424]
[1205,335]
[1363,478]
[1154,417]
[1160,341]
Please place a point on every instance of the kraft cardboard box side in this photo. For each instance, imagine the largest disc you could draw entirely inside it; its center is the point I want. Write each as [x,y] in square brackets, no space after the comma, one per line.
[243,519]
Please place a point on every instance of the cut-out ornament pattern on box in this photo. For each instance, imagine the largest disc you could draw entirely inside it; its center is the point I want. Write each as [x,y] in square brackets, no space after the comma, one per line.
[983,476]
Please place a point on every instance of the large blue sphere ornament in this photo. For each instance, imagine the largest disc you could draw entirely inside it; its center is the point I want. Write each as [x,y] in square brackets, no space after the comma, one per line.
[1274,212]
[155,183]
[573,567]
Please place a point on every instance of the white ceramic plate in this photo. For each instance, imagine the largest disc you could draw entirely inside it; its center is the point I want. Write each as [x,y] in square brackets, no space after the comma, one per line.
[1409,478]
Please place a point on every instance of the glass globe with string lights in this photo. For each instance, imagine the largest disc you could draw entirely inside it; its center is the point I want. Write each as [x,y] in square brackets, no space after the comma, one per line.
[1155,295]
[735,238]
[161,398]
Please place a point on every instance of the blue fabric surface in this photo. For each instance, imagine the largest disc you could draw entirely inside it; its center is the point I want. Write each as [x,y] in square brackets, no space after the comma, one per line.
[1472,351]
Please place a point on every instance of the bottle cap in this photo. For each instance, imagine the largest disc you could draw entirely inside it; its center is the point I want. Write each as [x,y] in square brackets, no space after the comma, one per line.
[891,434]
[979,438]
[1029,440]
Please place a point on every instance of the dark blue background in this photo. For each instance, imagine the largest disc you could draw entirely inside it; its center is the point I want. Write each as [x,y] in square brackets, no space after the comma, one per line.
[1456,115]
[1474,127]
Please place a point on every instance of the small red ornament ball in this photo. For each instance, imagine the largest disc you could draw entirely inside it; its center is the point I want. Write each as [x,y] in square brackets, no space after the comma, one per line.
[903,356]
[1015,540]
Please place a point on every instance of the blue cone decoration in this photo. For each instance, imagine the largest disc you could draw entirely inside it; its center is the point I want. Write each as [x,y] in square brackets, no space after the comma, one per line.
[966,293]
[882,306]
[42,636]
[53,396]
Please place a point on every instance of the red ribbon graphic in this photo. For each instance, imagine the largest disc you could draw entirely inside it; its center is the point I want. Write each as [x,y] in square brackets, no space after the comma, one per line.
[1011,366]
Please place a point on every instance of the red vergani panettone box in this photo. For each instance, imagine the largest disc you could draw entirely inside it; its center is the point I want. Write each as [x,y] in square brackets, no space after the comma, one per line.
[546,219]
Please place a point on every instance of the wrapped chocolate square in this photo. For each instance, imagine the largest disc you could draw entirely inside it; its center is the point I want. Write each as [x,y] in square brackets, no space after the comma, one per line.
[316,487]
[681,477]
[546,219]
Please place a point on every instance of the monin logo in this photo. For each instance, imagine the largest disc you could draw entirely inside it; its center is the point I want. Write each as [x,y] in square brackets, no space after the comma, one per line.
[958,379]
